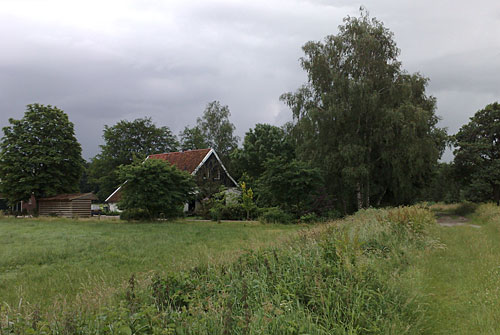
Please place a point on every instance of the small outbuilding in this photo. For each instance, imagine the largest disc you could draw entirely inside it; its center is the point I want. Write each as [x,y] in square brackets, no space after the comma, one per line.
[68,205]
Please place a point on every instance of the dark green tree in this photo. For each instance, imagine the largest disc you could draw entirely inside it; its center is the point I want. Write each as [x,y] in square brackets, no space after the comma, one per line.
[288,184]
[39,154]
[156,187]
[124,142]
[477,156]
[217,130]
[192,138]
[364,121]
[444,186]
[260,144]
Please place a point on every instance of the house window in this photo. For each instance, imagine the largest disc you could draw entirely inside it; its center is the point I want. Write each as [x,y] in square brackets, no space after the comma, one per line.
[218,175]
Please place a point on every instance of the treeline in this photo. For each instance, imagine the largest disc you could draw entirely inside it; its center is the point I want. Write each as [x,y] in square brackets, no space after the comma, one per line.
[364,134]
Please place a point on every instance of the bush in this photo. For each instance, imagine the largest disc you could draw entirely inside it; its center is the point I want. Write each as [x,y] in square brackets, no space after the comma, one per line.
[332,214]
[465,208]
[138,214]
[309,218]
[230,211]
[275,215]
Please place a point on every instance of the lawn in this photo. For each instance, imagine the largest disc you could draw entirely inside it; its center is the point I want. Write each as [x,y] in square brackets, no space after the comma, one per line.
[49,262]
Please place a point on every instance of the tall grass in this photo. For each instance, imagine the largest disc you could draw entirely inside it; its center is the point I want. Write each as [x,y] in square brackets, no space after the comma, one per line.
[49,265]
[341,278]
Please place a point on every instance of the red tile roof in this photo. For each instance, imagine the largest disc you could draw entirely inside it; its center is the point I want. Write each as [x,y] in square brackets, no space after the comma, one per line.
[186,161]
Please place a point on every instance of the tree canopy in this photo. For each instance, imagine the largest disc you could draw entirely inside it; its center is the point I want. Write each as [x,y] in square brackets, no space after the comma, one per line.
[477,154]
[124,142]
[289,184]
[365,122]
[39,154]
[260,144]
[193,138]
[217,130]
[156,187]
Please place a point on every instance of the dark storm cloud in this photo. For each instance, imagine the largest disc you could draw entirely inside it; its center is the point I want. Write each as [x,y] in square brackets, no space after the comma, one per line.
[106,61]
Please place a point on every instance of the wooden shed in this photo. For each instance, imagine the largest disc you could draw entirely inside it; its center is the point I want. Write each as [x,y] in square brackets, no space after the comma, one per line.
[68,205]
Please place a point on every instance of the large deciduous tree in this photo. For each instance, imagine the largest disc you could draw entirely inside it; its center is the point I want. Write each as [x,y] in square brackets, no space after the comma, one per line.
[192,138]
[477,156]
[260,144]
[217,130]
[363,120]
[289,184]
[124,142]
[39,154]
[156,187]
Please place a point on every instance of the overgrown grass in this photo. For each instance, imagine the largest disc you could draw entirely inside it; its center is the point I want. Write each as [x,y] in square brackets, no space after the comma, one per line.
[347,277]
[49,264]
[461,282]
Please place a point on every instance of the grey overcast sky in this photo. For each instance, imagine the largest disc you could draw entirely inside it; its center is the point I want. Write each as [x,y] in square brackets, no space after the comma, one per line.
[102,61]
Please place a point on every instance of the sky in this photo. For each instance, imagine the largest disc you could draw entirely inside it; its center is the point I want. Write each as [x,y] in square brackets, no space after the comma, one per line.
[103,61]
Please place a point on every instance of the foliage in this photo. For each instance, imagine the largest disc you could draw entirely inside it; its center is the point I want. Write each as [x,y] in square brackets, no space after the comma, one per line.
[217,130]
[275,215]
[247,199]
[290,185]
[222,207]
[124,142]
[363,120]
[39,154]
[232,211]
[192,138]
[137,214]
[156,187]
[309,218]
[444,185]
[336,279]
[477,156]
[465,208]
[260,144]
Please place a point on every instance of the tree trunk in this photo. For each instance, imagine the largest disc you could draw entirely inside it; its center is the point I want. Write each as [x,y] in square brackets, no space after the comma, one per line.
[359,196]
[379,200]
[496,194]
[367,204]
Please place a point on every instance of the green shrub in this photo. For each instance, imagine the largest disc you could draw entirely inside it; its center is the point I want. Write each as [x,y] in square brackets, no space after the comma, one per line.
[309,218]
[275,215]
[465,208]
[138,214]
[230,211]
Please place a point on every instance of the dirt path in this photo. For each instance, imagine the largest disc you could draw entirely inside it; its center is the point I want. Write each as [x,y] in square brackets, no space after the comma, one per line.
[453,221]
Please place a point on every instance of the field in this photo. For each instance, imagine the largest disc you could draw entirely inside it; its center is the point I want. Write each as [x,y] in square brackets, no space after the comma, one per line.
[461,281]
[386,271]
[52,261]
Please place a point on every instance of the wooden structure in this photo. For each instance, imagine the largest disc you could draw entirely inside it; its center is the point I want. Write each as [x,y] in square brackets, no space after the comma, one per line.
[68,205]
[203,164]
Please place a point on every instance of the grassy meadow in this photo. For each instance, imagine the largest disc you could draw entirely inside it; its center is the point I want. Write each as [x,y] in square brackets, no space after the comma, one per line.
[48,262]
[380,271]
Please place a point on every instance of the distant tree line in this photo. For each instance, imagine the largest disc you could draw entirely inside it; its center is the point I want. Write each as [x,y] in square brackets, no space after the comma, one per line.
[364,134]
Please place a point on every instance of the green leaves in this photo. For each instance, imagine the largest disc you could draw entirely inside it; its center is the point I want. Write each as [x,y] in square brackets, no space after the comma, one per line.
[125,142]
[361,119]
[155,186]
[478,154]
[39,154]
